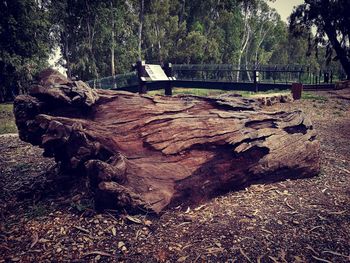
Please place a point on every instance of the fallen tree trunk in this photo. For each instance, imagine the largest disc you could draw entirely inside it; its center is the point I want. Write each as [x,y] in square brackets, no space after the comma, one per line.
[150,153]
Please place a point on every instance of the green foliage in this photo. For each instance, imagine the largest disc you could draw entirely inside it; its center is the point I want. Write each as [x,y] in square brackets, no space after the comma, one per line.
[176,31]
[101,38]
[192,48]
[24,44]
[83,30]
[332,21]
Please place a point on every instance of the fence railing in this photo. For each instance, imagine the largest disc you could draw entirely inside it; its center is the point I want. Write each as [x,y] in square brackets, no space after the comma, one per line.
[247,73]
[216,76]
[115,82]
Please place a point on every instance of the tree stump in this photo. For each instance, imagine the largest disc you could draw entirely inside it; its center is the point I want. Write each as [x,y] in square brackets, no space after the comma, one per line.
[150,153]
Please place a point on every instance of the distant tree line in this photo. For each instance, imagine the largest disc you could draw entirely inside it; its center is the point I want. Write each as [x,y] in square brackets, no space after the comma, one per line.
[100,38]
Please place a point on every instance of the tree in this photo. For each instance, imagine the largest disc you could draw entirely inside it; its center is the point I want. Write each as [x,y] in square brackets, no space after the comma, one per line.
[156,33]
[192,48]
[247,12]
[333,26]
[264,22]
[24,44]
[141,18]
[80,30]
[229,27]
[96,36]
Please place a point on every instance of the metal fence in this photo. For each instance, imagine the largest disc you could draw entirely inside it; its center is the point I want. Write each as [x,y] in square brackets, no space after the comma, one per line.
[221,76]
[115,82]
[247,73]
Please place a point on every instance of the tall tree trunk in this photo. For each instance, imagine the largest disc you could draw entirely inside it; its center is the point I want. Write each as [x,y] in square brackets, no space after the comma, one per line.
[160,58]
[112,42]
[262,35]
[182,12]
[66,55]
[341,52]
[91,22]
[142,6]
[244,42]
[246,67]
[239,65]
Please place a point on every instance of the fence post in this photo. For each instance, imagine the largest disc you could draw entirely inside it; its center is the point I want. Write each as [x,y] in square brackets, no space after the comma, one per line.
[140,67]
[325,77]
[114,82]
[297,89]
[168,70]
[256,79]
[331,76]
[319,77]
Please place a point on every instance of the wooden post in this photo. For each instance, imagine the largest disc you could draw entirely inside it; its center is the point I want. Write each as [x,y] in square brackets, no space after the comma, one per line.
[297,89]
[140,67]
[326,77]
[319,78]
[168,70]
[331,76]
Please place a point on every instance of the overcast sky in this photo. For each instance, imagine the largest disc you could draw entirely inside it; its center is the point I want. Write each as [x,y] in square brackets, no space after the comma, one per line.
[285,7]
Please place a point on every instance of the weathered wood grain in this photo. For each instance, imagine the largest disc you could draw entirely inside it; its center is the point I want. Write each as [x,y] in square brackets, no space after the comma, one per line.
[149,153]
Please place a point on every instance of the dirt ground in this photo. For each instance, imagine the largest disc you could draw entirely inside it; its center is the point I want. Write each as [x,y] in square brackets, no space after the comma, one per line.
[45,219]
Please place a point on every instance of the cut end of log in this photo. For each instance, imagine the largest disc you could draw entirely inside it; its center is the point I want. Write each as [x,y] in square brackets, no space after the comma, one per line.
[144,153]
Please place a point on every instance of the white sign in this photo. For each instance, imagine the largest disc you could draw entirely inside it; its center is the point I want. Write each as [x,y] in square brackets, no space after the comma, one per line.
[155,72]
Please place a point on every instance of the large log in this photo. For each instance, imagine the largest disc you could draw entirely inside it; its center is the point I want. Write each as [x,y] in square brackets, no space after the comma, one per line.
[150,153]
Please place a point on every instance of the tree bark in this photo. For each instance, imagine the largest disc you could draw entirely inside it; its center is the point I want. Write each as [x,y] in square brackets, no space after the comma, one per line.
[244,40]
[112,42]
[340,51]
[150,153]
[141,14]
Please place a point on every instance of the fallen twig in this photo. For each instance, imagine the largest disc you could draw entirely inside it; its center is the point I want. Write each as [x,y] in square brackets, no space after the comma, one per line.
[337,212]
[315,227]
[287,204]
[35,240]
[336,253]
[321,259]
[244,254]
[313,250]
[82,229]
[101,253]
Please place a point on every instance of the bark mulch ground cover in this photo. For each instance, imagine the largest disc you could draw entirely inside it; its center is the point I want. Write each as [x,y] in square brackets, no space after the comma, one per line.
[49,219]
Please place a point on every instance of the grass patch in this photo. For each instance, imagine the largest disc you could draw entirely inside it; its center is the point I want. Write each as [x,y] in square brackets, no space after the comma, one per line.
[197,92]
[215,92]
[314,97]
[7,120]
[271,91]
